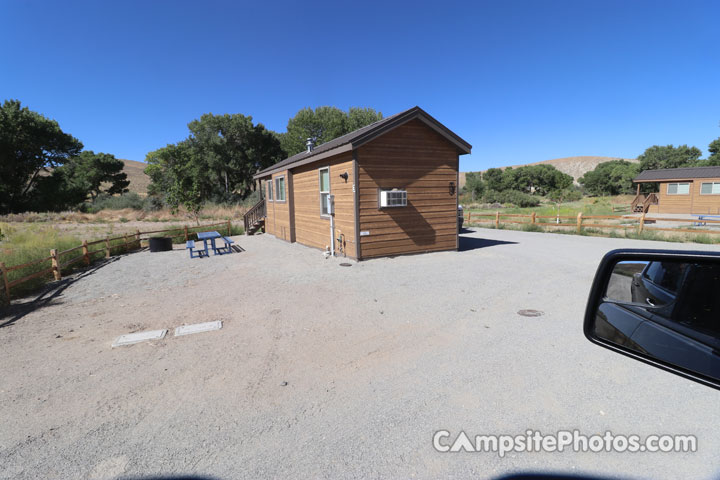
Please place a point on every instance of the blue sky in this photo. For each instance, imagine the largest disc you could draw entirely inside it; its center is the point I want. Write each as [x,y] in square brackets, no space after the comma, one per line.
[523,81]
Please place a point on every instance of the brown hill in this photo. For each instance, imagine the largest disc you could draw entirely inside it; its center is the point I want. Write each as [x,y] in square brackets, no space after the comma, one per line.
[573,166]
[138,180]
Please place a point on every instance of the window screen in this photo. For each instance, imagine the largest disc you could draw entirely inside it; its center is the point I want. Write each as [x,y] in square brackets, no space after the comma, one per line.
[269,191]
[324,189]
[710,188]
[280,189]
[678,188]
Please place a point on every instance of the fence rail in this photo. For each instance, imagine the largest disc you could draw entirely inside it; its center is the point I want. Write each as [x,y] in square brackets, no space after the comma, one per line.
[630,221]
[127,242]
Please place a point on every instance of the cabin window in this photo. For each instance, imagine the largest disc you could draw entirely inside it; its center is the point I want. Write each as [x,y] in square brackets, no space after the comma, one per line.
[269,190]
[710,188]
[324,174]
[678,188]
[392,198]
[280,189]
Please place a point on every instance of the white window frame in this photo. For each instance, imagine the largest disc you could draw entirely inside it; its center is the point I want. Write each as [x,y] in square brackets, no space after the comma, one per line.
[712,188]
[678,187]
[269,189]
[323,205]
[278,191]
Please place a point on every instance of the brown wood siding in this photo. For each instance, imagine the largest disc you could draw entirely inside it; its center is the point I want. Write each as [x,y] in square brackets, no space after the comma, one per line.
[311,228]
[415,158]
[692,203]
[277,221]
[705,204]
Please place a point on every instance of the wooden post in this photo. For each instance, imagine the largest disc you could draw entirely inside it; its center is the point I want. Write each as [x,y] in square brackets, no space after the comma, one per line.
[532,218]
[55,264]
[469,217]
[86,252]
[497,219]
[186,233]
[107,247]
[229,228]
[5,300]
[579,222]
[125,239]
[642,223]
[137,237]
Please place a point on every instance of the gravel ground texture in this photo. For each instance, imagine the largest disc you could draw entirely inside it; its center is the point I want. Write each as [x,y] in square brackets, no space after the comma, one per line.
[323,371]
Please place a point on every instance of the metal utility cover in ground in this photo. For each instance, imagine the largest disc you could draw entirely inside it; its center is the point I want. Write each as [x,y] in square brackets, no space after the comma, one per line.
[132,338]
[198,328]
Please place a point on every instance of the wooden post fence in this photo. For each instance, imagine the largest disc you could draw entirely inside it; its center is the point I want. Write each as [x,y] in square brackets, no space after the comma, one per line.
[5,300]
[137,237]
[641,225]
[186,233]
[55,264]
[579,222]
[469,217]
[86,252]
[497,219]
[107,247]
[532,218]
[229,228]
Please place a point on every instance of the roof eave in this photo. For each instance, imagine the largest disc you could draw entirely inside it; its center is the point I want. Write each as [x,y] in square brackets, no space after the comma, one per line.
[304,161]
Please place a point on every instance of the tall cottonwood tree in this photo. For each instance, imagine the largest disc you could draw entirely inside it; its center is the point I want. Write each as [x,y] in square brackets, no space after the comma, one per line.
[30,145]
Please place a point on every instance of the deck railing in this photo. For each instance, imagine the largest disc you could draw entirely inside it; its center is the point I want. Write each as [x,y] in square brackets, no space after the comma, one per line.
[253,215]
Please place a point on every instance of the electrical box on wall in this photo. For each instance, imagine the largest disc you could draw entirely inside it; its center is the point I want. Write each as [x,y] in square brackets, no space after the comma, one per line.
[331,204]
[392,198]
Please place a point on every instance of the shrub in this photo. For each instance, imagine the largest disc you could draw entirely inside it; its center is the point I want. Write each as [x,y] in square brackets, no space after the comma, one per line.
[108,202]
[152,204]
[514,197]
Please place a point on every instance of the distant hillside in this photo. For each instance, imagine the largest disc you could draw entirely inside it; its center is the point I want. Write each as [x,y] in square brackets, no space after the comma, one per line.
[573,166]
[138,180]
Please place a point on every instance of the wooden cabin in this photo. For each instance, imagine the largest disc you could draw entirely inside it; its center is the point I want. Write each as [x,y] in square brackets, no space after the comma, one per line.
[389,188]
[680,190]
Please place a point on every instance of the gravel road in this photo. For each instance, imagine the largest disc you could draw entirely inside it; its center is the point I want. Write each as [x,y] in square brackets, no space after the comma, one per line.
[377,357]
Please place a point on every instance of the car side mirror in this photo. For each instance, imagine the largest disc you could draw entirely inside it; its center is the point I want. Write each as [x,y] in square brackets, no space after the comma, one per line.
[659,307]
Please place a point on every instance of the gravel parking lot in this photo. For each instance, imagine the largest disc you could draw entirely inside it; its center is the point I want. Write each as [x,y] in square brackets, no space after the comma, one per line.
[377,357]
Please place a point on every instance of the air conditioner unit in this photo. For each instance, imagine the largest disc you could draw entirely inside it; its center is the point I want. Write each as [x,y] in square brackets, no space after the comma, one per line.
[393,198]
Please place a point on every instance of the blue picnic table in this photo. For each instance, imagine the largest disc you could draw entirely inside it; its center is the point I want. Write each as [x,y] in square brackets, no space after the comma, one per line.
[210,237]
[700,223]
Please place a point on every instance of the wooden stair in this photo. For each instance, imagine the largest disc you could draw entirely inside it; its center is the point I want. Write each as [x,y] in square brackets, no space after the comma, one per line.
[254,219]
[641,203]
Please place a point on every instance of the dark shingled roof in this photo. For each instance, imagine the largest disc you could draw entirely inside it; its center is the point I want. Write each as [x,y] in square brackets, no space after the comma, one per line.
[678,174]
[365,134]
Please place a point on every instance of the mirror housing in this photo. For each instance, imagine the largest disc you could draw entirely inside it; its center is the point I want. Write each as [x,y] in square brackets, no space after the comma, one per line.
[660,307]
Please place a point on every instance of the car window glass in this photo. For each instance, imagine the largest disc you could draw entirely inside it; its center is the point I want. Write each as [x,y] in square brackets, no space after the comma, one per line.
[667,275]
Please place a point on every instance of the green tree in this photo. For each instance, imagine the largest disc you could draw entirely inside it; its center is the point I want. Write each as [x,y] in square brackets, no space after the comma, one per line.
[714,157]
[668,156]
[216,162]
[30,144]
[95,173]
[610,178]
[537,179]
[494,179]
[474,185]
[324,124]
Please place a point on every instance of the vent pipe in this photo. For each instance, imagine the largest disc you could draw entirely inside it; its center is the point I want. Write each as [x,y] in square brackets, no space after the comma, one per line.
[310,143]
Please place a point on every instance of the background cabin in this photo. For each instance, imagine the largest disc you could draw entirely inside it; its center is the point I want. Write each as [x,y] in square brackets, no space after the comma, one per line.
[389,188]
[680,190]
